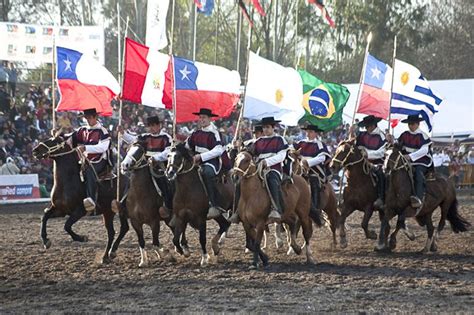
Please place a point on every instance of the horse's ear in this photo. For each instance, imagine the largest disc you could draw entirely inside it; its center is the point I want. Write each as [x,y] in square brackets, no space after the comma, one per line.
[298,151]
[57,133]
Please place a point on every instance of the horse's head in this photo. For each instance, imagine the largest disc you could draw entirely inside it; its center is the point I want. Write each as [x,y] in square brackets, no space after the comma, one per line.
[54,145]
[296,161]
[243,163]
[178,158]
[134,158]
[395,158]
[346,154]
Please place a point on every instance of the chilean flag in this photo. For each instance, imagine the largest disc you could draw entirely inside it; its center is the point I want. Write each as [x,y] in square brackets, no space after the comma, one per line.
[200,85]
[375,98]
[84,83]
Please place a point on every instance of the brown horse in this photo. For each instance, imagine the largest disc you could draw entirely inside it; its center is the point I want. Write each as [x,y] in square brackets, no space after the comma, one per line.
[254,208]
[327,196]
[144,200]
[360,192]
[69,191]
[190,202]
[440,192]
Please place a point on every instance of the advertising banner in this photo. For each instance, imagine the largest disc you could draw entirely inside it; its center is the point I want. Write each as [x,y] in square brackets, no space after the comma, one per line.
[17,187]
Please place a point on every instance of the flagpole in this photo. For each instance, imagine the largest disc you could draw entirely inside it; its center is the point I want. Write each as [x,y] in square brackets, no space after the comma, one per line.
[172,28]
[362,76]
[239,31]
[239,121]
[296,35]
[391,86]
[119,42]
[194,31]
[53,79]
[217,30]
[173,98]
[119,136]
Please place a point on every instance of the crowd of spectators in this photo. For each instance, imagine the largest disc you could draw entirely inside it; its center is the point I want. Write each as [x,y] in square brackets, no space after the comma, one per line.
[25,120]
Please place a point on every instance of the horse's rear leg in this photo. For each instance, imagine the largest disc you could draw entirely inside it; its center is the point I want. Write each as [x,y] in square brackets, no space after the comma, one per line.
[294,227]
[346,211]
[73,218]
[223,226]
[430,229]
[202,241]
[138,227]
[124,227]
[258,253]
[445,205]
[307,226]
[109,225]
[48,213]
[279,230]
[370,234]
[333,217]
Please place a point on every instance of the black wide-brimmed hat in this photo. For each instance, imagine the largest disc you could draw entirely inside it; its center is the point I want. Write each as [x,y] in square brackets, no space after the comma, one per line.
[205,111]
[369,120]
[89,112]
[152,120]
[268,121]
[257,128]
[412,119]
[312,127]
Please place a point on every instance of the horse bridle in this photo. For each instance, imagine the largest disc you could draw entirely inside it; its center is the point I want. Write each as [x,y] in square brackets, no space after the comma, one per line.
[138,163]
[50,150]
[245,173]
[404,165]
[365,166]
[180,170]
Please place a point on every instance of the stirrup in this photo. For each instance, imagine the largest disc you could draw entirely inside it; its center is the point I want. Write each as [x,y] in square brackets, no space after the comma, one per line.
[416,203]
[89,204]
[274,216]
[234,218]
[214,212]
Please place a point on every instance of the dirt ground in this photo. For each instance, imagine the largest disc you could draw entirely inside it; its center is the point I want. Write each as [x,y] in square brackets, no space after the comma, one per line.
[68,278]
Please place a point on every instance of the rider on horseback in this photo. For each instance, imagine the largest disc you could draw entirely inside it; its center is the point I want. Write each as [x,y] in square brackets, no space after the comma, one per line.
[416,147]
[94,141]
[157,145]
[374,144]
[206,142]
[270,151]
[315,154]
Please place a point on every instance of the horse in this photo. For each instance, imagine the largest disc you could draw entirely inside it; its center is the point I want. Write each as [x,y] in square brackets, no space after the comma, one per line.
[327,196]
[360,192]
[440,192]
[190,202]
[254,208]
[144,200]
[69,191]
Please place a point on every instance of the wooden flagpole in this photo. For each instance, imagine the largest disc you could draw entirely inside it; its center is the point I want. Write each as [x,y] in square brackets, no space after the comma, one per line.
[53,85]
[391,86]
[173,100]
[362,76]
[119,136]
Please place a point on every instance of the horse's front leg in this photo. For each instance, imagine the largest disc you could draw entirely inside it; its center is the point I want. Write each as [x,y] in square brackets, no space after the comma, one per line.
[258,252]
[370,234]
[203,241]
[384,231]
[341,224]
[48,213]
[223,226]
[108,217]
[73,218]
[124,227]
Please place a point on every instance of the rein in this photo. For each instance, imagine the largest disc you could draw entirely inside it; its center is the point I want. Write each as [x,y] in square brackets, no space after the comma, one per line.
[245,173]
[405,165]
[365,165]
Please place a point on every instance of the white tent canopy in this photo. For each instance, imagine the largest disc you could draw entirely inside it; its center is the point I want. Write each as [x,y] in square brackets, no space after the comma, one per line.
[456,114]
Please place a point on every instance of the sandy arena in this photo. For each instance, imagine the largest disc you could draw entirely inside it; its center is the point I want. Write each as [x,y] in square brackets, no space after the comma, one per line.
[68,278]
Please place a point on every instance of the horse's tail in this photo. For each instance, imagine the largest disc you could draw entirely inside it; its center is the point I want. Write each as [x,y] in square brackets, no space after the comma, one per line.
[458,223]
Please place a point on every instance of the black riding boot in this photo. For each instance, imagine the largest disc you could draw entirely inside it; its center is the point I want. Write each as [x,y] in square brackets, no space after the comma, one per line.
[315,212]
[274,185]
[380,186]
[90,176]
[209,179]
[234,218]
[419,178]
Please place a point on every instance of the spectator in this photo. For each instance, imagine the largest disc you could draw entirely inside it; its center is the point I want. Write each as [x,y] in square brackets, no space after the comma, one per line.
[441,161]
[12,78]
[42,188]
[9,168]
[3,151]
[5,101]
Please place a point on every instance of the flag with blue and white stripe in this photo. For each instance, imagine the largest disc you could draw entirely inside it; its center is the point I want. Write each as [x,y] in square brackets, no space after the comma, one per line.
[412,95]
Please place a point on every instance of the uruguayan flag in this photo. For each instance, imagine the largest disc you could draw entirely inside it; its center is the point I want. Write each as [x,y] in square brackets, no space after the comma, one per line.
[411,94]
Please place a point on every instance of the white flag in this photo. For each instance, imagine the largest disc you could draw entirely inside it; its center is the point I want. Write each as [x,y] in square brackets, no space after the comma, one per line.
[273,90]
[156,24]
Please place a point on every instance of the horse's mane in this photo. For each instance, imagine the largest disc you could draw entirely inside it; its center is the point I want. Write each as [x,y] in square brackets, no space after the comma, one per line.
[181,149]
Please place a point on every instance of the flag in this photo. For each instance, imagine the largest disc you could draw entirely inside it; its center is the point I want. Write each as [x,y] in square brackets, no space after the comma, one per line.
[375,97]
[157,10]
[244,11]
[199,85]
[206,7]
[324,12]
[412,95]
[84,83]
[273,90]
[258,7]
[323,102]
[198,3]
[144,74]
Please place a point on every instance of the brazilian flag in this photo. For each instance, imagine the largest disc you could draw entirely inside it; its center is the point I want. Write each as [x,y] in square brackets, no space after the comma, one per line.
[322,101]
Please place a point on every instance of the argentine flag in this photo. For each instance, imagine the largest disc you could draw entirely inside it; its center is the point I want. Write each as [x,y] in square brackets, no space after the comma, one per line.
[412,95]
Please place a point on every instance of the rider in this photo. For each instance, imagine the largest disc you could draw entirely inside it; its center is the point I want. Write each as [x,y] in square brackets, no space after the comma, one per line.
[257,133]
[416,147]
[157,146]
[206,143]
[373,141]
[315,155]
[94,141]
[270,150]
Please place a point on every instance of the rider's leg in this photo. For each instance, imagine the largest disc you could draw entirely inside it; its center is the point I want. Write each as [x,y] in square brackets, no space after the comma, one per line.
[165,187]
[235,216]
[315,211]
[419,179]
[274,185]
[209,179]
[91,173]
[380,187]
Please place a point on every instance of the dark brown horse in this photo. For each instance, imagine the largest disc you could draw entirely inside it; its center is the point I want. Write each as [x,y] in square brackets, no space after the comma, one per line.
[69,191]
[440,192]
[360,192]
[190,202]
[254,208]
[327,196]
[143,200]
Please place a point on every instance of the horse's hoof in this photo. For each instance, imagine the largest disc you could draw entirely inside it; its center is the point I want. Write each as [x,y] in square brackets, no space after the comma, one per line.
[105,260]
[179,251]
[112,255]
[310,262]
[186,253]
[278,243]
[215,249]
[47,244]
[372,235]
[410,235]
[434,248]
[382,249]
[83,239]
[343,243]
[290,251]
[392,244]
[205,260]
[247,250]
[253,267]
[142,264]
